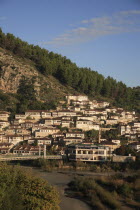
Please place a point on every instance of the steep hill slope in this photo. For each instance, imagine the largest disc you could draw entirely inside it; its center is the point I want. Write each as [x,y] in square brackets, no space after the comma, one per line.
[14,71]
[48,74]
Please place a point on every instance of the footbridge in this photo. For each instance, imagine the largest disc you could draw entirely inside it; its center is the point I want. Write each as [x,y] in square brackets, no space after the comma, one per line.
[29,157]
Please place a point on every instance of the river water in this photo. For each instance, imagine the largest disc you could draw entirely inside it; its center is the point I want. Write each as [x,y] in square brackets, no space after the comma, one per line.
[60,181]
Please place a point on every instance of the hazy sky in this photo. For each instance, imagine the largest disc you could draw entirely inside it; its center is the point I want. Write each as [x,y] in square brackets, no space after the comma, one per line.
[101,34]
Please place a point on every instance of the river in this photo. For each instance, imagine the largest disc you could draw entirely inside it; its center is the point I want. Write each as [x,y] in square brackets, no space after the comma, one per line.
[60,181]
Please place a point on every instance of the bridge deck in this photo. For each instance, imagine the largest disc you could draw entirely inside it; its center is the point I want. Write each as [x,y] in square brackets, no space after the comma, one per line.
[33,157]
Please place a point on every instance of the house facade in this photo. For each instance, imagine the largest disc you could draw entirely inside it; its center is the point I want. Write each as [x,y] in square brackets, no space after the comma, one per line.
[88,153]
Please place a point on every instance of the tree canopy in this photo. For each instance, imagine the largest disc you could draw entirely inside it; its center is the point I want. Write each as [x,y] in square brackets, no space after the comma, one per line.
[21,190]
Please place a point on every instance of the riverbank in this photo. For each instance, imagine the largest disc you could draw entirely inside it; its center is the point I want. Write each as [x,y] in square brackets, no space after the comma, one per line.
[60,180]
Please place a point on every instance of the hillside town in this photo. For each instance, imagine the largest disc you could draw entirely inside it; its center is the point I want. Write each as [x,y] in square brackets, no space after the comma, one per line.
[76,129]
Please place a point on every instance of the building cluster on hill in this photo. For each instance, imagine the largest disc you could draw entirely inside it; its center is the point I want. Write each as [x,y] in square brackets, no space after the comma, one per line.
[64,130]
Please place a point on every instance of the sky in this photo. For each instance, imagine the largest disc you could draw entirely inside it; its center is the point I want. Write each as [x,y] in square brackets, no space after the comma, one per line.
[103,35]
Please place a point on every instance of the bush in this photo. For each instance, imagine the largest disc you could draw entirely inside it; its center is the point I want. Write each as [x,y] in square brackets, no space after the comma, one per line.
[93,168]
[125,189]
[21,190]
[94,193]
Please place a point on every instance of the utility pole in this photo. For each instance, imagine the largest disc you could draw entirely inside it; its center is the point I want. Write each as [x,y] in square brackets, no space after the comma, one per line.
[39,151]
[99,137]
[44,151]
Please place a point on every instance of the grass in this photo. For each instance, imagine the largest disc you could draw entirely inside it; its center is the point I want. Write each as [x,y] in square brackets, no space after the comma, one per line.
[112,192]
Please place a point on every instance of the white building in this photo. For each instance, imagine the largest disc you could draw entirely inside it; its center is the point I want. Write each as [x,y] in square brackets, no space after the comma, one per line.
[88,153]
[76,98]
[45,132]
[87,125]
[75,134]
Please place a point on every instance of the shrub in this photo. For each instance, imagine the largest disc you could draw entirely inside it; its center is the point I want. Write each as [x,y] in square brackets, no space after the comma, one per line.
[96,194]
[125,189]
[21,190]
[106,197]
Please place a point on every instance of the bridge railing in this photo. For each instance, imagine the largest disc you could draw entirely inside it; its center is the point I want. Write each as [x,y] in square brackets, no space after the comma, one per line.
[29,157]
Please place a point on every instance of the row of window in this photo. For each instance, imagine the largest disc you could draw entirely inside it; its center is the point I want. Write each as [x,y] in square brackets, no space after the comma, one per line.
[90,152]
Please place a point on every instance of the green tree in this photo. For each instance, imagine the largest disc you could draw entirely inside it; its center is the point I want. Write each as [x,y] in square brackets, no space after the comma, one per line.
[125,150]
[92,134]
[22,190]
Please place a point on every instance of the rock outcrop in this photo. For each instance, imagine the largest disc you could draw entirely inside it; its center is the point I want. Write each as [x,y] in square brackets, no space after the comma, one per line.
[13,69]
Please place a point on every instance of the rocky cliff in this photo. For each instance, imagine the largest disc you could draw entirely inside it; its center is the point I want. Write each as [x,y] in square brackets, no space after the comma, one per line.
[13,69]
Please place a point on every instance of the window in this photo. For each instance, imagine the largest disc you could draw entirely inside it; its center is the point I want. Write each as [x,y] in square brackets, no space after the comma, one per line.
[101,152]
[79,151]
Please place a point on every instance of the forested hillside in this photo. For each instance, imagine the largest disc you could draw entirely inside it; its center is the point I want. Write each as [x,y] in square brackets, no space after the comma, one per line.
[83,80]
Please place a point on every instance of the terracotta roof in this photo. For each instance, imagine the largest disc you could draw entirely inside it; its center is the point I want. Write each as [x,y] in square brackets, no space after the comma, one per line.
[75,133]
[47,118]
[5,144]
[4,112]
[73,138]
[14,135]
[4,148]
[57,118]
[27,148]
[37,111]
[66,111]
[49,128]
[107,143]
[134,143]
[58,133]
